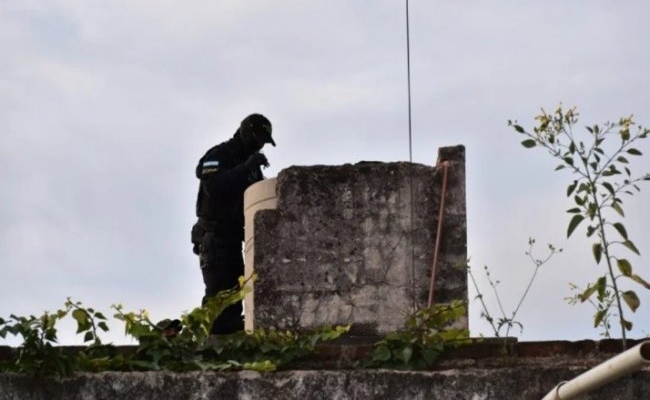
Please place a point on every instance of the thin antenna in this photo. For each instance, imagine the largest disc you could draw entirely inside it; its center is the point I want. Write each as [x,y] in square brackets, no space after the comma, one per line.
[408,79]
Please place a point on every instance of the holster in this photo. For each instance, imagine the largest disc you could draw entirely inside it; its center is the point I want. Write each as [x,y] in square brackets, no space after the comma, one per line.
[197,236]
[214,250]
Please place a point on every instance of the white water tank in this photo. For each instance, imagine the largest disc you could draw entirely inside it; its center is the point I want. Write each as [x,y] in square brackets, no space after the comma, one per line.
[258,196]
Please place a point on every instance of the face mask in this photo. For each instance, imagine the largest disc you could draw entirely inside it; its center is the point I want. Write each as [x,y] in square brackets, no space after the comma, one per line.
[251,140]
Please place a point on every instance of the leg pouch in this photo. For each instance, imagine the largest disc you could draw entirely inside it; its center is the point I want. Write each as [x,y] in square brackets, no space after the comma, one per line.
[197,236]
[207,250]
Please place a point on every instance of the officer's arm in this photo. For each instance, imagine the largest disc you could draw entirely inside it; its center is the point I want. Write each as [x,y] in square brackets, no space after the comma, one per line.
[218,180]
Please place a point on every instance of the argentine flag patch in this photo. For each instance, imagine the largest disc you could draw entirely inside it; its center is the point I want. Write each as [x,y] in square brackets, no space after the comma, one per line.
[209,167]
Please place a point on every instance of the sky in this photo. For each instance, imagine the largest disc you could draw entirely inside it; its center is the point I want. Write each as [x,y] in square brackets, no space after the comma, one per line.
[106,107]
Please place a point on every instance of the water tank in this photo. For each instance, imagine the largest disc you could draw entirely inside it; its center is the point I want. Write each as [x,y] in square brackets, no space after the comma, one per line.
[259,196]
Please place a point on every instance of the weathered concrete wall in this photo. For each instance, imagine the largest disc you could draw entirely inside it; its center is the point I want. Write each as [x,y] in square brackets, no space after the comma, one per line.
[489,369]
[521,383]
[354,244]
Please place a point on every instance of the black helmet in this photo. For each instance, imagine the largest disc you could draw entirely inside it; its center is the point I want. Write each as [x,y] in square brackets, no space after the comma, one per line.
[255,130]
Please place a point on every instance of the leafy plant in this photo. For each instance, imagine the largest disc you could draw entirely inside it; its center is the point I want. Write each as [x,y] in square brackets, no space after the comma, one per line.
[605,305]
[268,349]
[88,321]
[510,321]
[37,355]
[185,350]
[599,160]
[426,335]
[192,348]
[187,347]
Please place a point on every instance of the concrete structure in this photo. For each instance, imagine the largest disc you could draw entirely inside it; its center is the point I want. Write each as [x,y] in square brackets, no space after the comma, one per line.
[485,371]
[354,244]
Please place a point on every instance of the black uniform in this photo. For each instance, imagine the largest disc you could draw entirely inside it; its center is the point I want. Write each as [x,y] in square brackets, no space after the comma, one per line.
[219,232]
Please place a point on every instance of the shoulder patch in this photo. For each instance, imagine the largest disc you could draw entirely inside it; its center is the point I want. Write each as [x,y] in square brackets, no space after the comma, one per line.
[209,167]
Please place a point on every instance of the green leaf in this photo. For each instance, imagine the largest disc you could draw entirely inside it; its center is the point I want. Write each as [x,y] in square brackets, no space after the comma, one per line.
[81,317]
[624,266]
[634,152]
[601,285]
[528,143]
[407,352]
[574,210]
[99,315]
[598,318]
[609,188]
[519,129]
[622,159]
[584,296]
[621,229]
[590,230]
[617,207]
[636,278]
[88,336]
[632,300]
[625,134]
[381,353]
[631,246]
[627,324]
[571,188]
[429,355]
[559,167]
[597,249]
[592,209]
[575,221]
[585,187]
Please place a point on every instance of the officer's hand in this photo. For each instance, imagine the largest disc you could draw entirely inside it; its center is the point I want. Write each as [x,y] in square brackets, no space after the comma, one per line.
[255,161]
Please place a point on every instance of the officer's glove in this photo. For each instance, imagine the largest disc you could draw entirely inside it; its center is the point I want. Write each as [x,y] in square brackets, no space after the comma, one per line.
[255,161]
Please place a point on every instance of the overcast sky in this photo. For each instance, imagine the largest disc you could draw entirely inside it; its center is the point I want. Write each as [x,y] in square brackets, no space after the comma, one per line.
[106,106]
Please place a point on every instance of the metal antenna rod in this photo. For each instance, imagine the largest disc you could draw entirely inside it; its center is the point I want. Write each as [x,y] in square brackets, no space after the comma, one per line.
[408,80]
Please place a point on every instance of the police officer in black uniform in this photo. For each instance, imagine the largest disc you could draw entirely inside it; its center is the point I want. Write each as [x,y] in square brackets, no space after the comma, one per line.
[225,171]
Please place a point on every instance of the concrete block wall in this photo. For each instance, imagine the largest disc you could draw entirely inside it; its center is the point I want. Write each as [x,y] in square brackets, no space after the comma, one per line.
[354,244]
[475,384]
[485,370]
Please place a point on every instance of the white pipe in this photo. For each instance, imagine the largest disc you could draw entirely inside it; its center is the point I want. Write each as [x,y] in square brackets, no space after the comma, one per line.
[625,363]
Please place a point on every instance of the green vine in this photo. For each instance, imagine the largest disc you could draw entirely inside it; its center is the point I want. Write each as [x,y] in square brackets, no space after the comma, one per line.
[174,345]
[185,344]
[427,334]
